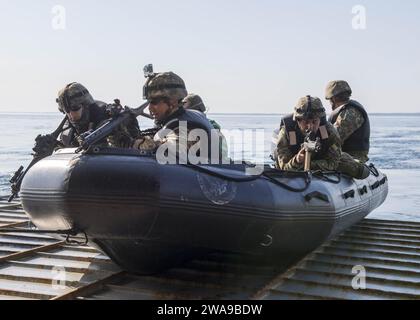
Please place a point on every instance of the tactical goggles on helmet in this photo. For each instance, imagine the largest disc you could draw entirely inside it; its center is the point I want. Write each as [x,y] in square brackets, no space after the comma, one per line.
[68,107]
[73,108]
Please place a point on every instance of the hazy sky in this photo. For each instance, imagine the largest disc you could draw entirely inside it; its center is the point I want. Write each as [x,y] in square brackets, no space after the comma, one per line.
[241,56]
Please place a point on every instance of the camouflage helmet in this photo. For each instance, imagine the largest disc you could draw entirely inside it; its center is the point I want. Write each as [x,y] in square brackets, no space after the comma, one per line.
[194,102]
[337,87]
[309,108]
[72,96]
[165,85]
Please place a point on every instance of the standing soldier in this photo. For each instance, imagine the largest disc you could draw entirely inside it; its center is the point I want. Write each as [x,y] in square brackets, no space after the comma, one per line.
[350,119]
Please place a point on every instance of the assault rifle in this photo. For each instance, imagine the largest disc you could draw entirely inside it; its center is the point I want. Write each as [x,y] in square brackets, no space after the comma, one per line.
[111,125]
[311,145]
[17,178]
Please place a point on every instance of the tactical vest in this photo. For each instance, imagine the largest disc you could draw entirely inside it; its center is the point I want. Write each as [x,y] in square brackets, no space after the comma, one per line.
[360,139]
[296,138]
[96,115]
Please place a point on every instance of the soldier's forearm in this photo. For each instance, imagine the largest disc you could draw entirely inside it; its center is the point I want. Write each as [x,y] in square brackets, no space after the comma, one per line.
[289,165]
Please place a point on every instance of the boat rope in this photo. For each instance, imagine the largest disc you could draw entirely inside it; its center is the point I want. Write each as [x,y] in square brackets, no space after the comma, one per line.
[373,170]
[269,174]
[307,178]
[221,175]
[324,176]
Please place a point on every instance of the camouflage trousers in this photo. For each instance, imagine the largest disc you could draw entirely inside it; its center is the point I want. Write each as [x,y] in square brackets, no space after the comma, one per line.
[353,168]
[361,156]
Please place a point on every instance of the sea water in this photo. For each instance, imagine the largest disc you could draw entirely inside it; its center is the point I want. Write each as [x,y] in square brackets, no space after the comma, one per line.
[395,149]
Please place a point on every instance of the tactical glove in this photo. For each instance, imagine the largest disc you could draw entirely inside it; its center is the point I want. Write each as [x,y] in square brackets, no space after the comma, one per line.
[44,145]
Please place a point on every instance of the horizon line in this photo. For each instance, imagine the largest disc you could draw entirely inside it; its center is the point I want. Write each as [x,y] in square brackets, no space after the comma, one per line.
[223,113]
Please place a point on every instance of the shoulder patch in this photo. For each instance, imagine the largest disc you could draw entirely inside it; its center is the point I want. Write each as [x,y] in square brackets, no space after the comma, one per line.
[292,138]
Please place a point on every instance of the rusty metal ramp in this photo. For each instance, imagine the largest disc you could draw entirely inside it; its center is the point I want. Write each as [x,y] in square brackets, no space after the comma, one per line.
[215,277]
[374,259]
[36,266]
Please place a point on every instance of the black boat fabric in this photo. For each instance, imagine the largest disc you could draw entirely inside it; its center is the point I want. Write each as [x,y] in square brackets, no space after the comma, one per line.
[138,211]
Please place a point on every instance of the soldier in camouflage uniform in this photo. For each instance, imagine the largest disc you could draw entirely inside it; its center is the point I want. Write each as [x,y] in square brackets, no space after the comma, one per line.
[165,93]
[309,115]
[350,119]
[194,102]
[84,114]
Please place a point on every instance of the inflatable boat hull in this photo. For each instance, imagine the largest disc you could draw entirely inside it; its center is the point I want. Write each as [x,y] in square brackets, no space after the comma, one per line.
[148,216]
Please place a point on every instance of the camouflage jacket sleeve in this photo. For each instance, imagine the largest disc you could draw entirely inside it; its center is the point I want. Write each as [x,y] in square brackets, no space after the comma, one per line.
[348,122]
[286,160]
[332,158]
[171,138]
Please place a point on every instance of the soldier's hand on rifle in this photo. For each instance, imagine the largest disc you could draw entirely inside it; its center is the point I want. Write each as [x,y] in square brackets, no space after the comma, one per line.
[114,109]
[300,157]
[81,138]
[44,145]
[14,188]
[121,138]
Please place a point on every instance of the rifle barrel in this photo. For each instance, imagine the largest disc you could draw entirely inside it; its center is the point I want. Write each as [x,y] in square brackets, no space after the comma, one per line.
[17,179]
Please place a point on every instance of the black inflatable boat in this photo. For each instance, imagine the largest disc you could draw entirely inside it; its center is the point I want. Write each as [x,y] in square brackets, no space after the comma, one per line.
[148,216]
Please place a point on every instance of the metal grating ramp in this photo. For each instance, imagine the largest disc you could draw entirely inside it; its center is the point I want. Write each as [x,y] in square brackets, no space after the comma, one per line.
[387,251]
[30,264]
[215,277]
[37,267]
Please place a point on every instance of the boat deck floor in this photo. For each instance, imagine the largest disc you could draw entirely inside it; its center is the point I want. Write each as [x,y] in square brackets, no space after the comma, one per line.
[374,259]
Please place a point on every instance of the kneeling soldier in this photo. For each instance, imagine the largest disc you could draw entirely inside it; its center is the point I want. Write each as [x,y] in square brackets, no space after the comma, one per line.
[308,121]
[309,124]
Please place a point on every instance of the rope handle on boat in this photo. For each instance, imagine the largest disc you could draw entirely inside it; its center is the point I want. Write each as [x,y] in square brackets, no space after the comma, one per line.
[363,190]
[267,174]
[220,175]
[349,194]
[318,195]
[75,242]
[373,170]
[307,176]
[379,183]
[324,176]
